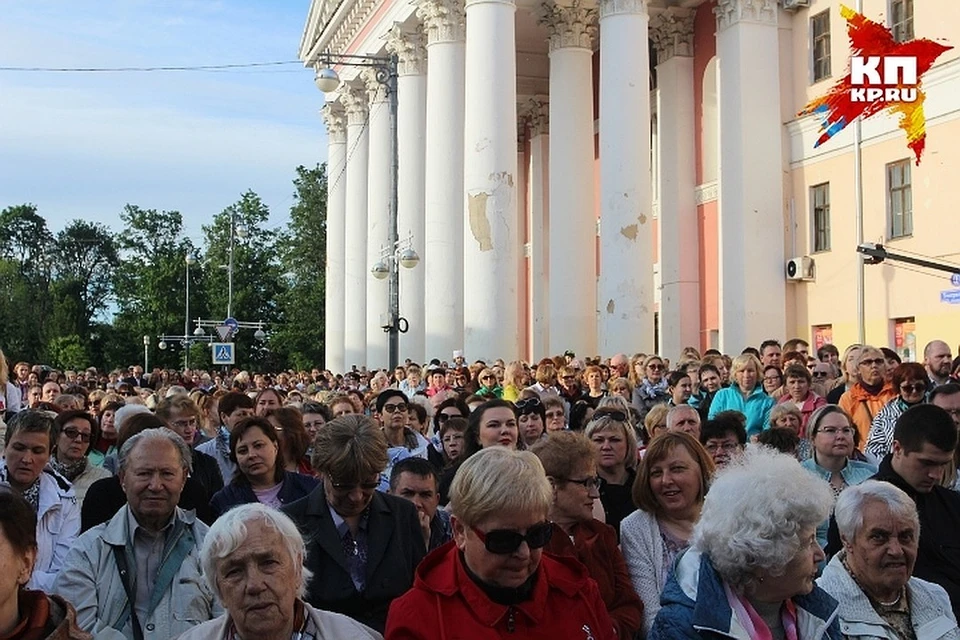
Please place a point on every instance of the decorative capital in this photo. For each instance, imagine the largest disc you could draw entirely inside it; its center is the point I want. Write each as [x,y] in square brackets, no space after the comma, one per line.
[536,113]
[730,12]
[377,90]
[335,119]
[617,7]
[354,101]
[410,50]
[672,33]
[444,20]
[571,26]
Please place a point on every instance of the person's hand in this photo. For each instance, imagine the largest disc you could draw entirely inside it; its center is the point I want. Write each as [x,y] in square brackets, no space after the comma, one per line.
[424,527]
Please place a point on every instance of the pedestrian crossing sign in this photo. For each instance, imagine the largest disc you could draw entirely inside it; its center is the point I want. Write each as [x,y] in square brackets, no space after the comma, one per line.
[222,352]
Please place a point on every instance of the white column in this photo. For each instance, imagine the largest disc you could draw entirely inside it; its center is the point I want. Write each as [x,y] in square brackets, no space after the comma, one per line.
[752,288]
[625,297]
[538,113]
[672,33]
[334,118]
[442,255]
[411,140]
[573,219]
[489,178]
[355,247]
[378,215]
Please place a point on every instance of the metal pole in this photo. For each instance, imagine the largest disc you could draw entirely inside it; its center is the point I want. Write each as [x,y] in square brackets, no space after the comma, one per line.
[186,318]
[233,228]
[393,234]
[858,214]
[146,356]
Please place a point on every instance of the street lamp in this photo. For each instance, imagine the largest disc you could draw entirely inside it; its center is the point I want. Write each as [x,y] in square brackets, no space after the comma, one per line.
[327,80]
[235,232]
[146,356]
[391,259]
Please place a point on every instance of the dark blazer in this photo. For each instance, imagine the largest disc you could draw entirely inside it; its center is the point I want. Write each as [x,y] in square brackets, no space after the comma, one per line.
[295,486]
[207,472]
[395,548]
[105,497]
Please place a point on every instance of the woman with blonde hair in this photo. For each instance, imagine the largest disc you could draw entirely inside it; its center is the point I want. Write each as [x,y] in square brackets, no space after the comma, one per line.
[615,445]
[745,395]
[513,376]
[655,422]
[10,400]
[651,390]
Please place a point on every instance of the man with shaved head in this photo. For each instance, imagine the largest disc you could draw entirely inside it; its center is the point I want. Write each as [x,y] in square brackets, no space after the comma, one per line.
[938,361]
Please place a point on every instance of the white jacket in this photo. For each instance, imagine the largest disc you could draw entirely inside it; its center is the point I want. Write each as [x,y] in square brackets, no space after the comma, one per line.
[91,582]
[58,525]
[642,549]
[930,610]
[332,626]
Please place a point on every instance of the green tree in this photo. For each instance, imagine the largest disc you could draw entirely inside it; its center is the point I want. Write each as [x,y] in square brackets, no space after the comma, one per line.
[25,301]
[299,339]
[84,257]
[68,352]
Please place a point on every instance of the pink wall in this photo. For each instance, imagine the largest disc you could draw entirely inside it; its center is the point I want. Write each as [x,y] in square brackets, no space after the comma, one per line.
[705,48]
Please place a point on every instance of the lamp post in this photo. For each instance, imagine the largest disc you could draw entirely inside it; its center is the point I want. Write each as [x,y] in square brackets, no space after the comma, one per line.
[235,232]
[188,260]
[400,253]
[146,356]
[327,80]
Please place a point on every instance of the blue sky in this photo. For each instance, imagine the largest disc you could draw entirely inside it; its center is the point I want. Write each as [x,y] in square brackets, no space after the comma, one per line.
[82,145]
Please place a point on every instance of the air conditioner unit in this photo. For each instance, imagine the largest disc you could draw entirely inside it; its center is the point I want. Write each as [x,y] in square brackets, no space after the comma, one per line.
[801,268]
[793,5]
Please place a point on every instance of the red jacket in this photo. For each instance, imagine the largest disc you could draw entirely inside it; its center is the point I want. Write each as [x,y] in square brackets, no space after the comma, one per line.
[595,545]
[445,604]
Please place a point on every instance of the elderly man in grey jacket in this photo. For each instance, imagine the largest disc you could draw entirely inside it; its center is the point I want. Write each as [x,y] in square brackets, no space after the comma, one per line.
[871,576]
[139,575]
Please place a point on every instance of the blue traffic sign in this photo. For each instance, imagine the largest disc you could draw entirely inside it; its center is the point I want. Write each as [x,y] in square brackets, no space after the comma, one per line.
[223,352]
[955,279]
[232,323]
[951,296]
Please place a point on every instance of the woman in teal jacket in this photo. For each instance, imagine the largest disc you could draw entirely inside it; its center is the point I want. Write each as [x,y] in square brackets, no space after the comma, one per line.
[745,395]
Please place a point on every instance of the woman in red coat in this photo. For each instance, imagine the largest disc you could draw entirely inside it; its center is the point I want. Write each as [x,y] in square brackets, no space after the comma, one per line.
[493,580]
[569,460]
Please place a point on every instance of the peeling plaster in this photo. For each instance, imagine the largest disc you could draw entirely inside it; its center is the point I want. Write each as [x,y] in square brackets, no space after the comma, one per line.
[479,224]
[503,177]
[611,306]
[630,232]
[642,218]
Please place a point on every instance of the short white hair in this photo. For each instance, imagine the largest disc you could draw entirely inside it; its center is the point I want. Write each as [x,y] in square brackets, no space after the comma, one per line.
[120,415]
[754,512]
[850,504]
[675,411]
[229,533]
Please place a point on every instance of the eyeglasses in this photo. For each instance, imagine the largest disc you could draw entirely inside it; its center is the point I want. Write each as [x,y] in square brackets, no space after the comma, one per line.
[833,431]
[504,541]
[443,417]
[820,374]
[713,447]
[872,362]
[587,483]
[655,367]
[913,388]
[489,377]
[183,424]
[568,377]
[771,378]
[528,406]
[73,434]
[614,414]
[347,488]
[555,415]
[395,408]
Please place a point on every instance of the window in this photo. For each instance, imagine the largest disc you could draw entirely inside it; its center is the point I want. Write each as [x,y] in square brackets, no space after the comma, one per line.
[820,26]
[905,338]
[820,199]
[900,199]
[901,19]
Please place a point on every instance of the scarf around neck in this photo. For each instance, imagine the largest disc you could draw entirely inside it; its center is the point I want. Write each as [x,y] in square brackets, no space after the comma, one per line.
[69,470]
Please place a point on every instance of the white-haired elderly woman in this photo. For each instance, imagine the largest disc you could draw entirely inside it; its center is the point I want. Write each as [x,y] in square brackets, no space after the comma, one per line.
[494,579]
[870,577]
[252,559]
[750,571]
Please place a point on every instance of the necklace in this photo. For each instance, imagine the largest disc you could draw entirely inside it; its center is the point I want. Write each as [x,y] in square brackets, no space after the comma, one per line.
[890,604]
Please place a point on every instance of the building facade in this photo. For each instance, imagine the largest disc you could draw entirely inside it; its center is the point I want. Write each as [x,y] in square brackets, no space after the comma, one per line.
[612,176]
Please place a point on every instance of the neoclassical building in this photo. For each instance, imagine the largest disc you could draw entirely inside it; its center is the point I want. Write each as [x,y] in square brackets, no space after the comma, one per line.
[624,175]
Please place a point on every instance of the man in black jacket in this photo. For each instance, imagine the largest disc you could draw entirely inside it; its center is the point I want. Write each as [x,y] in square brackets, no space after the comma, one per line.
[923,444]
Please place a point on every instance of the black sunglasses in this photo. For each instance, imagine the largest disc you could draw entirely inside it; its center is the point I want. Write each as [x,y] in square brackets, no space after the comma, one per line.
[528,406]
[616,414]
[443,417]
[504,541]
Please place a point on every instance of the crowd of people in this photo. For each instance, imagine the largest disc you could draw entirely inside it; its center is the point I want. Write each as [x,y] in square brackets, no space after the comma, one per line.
[778,493]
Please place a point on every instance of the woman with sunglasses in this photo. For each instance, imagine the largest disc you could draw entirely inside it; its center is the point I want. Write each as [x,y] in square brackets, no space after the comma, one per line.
[489,385]
[669,491]
[568,459]
[495,580]
[911,382]
[363,545]
[255,449]
[78,430]
[652,388]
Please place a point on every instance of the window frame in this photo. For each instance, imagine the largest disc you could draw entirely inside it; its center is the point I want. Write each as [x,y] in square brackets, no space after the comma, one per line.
[899,194]
[902,29]
[820,217]
[818,38]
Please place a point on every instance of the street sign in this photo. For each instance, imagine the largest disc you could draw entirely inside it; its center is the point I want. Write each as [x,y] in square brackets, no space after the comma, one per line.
[955,279]
[223,352]
[232,323]
[224,331]
[951,296]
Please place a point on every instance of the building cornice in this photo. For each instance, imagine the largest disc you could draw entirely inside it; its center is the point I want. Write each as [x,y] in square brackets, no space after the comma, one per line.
[672,33]
[409,49]
[571,25]
[618,7]
[443,20]
[335,120]
[731,12]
